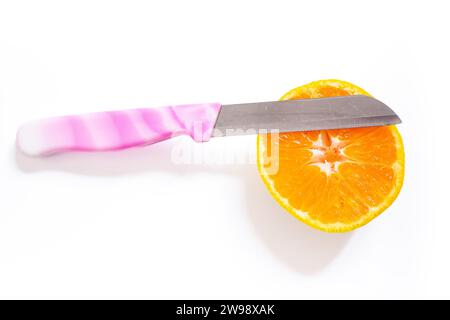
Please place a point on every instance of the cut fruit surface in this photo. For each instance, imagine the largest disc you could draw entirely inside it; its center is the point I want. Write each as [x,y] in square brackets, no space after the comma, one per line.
[333,180]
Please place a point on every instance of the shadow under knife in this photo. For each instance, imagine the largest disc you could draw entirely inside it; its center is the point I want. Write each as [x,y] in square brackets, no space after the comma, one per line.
[298,246]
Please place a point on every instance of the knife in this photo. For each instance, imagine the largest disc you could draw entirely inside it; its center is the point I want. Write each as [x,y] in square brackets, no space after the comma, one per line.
[117,130]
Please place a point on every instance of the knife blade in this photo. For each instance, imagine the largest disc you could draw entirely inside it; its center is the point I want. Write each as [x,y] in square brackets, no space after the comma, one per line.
[304,115]
[117,130]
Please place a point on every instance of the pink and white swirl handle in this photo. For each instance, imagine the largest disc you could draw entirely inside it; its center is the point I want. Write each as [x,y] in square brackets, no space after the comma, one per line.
[117,130]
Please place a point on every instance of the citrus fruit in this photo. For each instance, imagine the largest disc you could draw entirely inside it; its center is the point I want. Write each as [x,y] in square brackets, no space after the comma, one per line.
[333,180]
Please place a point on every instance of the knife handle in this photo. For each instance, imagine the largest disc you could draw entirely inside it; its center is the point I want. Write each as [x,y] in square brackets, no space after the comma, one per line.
[117,130]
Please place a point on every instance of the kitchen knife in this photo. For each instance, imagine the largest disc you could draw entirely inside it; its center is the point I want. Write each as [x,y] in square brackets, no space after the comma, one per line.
[116,130]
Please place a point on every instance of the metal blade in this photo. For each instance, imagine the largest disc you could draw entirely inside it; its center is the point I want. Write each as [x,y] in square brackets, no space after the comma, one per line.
[303,115]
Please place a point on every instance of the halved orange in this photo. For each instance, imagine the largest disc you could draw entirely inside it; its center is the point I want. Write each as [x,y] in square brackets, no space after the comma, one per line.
[333,180]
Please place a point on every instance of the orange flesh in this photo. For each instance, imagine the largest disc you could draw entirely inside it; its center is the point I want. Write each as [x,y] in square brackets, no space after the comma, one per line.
[335,177]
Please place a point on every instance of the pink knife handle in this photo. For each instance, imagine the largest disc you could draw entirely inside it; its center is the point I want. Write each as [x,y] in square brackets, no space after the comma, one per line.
[117,130]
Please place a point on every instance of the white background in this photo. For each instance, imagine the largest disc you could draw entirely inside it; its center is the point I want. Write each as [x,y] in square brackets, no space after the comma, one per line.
[135,224]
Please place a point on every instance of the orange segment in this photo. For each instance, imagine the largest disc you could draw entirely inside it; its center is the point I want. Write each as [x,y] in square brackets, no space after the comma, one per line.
[333,180]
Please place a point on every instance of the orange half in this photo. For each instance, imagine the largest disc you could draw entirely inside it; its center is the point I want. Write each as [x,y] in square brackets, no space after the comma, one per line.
[333,180]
